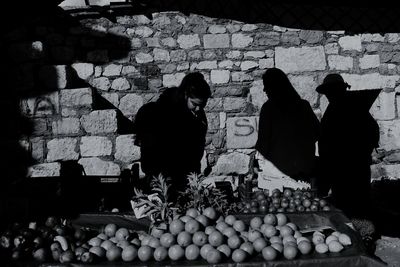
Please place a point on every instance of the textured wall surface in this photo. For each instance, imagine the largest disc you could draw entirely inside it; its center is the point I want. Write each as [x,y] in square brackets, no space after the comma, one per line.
[94,77]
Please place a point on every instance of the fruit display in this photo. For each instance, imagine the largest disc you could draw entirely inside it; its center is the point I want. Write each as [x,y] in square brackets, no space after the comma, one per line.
[288,200]
[193,236]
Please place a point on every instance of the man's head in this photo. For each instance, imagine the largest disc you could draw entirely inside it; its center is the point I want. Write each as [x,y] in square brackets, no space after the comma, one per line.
[333,84]
[197,91]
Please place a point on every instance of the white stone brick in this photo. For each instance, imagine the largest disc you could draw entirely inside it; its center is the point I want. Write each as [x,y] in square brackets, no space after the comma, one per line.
[233,163]
[300,59]
[220,76]
[234,54]
[212,41]
[130,104]
[305,86]
[393,37]
[100,121]
[188,41]
[143,58]
[62,149]
[45,170]
[76,97]
[143,31]
[95,146]
[112,70]
[170,80]
[241,77]
[240,40]
[337,62]
[331,49]
[96,166]
[257,95]
[241,132]
[384,107]
[390,132]
[254,54]
[101,83]
[161,55]
[392,170]
[249,27]
[125,149]
[67,126]
[83,70]
[350,43]
[216,29]
[370,81]
[248,64]
[207,65]
[265,63]
[120,84]
[225,64]
[222,120]
[169,42]
[234,104]
[369,62]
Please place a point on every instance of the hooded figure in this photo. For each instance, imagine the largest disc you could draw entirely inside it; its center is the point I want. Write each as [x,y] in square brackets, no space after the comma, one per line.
[288,128]
[171,132]
[349,134]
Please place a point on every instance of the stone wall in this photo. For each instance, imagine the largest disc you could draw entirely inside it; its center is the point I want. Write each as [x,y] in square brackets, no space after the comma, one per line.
[82,67]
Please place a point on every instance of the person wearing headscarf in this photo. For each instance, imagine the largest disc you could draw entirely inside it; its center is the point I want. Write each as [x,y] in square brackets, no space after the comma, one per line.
[171,132]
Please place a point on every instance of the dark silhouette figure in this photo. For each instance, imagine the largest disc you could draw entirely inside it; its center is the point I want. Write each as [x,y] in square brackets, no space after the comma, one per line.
[171,132]
[349,134]
[288,128]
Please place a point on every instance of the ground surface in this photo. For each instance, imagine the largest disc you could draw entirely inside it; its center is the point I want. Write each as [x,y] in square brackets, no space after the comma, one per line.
[388,250]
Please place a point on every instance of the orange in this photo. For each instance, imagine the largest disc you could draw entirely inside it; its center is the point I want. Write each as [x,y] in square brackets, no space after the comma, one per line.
[99,251]
[289,239]
[167,240]
[156,232]
[239,226]
[214,256]
[122,233]
[185,218]
[216,238]
[277,246]
[160,254]
[286,230]
[253,235]
[270,231]
[225,250]
[192,252]
[129,253]
[281,219]
[203,220]
[269,253]
[145,253]
[290,252]
[276,239]
[230,219]
[259,244]
[199,238]
[239,255]
[229,231]
[176,226]
[123,243]
[204,250]
[184,239]
[248,247]
[270,219]
[304,247]
[209,229]
[256,222]
[292,225]
[106,244]
[221,226]
[113,253]
[176,252]
[210,213]
[110,229]
[154,242]
[95,242]
[234,241]
[192,226]
[192,212]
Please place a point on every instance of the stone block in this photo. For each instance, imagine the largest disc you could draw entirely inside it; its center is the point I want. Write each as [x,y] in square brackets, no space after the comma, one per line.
[188,41]
[62,149]
[66,126]
[112,70]
[212,41]
[300,59]
[143,58]
[248,64]
[130,104]
[384,107]
[125,149]
[233,163]
[101,83]
[240,40]
[337,62]
[45,170]
[234,104]
[220,76]
[120,84]
[81,97]
[100,121]
[83,70]
[370,81]
[369,61]
[241,132]
[95,146]
[96,166]
[170,80]
[257,94]
[389,133]
[350,43]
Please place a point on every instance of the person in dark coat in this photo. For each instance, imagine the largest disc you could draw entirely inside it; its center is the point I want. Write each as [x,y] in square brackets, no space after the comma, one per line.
[171,132]
[288,128]
[349,134]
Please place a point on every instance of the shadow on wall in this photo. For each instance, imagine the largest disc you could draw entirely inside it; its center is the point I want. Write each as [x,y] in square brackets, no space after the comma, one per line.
[38,44]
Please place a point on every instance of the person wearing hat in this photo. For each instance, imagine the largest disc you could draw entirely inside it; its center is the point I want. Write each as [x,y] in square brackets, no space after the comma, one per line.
[348,136]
